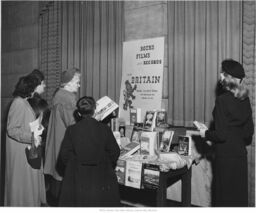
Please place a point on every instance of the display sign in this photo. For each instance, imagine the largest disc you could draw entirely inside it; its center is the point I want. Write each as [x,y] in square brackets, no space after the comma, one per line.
[142,76]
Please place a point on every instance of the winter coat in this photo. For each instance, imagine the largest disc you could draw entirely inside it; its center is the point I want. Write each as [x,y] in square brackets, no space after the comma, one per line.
[89,152]
[233,131]
[63,106]
[24,186]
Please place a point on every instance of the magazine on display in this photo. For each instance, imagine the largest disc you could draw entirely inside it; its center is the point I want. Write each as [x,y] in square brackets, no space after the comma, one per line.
[128,131]
[151,175]
[120,171]
[104,107]
[133,174]
[165,141]
[148,143]
[136,134]
[149,121]
[184,145]
[161,118]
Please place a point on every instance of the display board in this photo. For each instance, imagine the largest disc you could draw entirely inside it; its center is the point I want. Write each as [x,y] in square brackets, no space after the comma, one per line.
[142,76]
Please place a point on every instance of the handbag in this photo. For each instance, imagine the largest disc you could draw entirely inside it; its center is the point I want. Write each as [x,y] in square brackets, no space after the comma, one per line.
[34,154]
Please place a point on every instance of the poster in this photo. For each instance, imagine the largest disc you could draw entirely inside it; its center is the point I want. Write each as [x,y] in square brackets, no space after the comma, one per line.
[142,77]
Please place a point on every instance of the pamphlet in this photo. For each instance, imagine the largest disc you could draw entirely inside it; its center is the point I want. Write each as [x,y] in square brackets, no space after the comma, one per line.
[104,107]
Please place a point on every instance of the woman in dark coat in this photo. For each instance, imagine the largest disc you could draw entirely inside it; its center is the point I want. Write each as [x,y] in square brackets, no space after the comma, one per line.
[233,131]
[89,152]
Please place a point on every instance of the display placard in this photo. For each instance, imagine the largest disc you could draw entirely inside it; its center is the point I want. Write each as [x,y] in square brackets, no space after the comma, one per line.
[142,76]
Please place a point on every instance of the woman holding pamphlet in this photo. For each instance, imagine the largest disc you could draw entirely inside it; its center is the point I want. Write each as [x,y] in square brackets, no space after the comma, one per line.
[233,131]
[40,105]
[89,151]
[24,185]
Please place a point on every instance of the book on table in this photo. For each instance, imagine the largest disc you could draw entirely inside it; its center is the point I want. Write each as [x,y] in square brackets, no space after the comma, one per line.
[148,143]
[133,174]
[184,145]
[150,120]
[120,171]
[129,149]
[165,138]
[161,118]
[129,131]
[136,133]
[151,176]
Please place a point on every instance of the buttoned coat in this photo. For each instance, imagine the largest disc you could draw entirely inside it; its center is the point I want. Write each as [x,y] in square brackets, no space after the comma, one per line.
[63,106]
[89,152]
[24,186]
[233,131]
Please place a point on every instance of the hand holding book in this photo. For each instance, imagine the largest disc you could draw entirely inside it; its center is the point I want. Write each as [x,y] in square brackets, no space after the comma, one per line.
[202,129]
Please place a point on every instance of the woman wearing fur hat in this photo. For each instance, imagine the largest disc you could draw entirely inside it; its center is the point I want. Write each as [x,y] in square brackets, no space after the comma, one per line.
[63,106]
[233,130]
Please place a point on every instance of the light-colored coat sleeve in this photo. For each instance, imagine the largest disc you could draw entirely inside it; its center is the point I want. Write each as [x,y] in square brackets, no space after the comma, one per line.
[67,114]
[18,121]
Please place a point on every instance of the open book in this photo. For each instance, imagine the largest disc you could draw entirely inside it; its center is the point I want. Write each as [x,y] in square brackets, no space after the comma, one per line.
[129,149]
[104,107]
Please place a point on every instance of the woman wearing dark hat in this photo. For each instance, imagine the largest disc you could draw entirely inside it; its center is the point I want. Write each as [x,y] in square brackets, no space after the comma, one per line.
[61,116]
[233,130]
[89,152]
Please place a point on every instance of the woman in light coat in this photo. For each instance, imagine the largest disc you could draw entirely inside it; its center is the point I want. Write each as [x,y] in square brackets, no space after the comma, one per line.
[24,186]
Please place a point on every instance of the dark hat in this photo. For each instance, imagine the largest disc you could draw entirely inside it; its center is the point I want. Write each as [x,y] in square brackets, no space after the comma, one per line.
[67,75]
[233,68]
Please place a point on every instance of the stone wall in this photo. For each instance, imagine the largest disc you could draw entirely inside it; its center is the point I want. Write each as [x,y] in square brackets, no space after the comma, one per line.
[20,45]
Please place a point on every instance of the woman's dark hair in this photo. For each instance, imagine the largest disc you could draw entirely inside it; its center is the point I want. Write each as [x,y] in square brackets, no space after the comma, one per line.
[25,86]
[38,74]
[85,107]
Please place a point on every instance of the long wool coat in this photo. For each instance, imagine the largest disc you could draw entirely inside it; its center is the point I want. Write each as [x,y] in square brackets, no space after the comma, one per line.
[63,106]
[24,186]
[233,131]
[90,152]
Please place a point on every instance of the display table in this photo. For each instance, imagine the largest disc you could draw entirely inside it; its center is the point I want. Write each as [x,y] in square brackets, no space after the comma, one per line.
[175,168]
[184,174]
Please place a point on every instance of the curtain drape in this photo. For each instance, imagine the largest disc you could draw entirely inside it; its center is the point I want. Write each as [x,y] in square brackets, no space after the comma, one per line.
[200,35]
[249,63]
[50,46]
[92,36]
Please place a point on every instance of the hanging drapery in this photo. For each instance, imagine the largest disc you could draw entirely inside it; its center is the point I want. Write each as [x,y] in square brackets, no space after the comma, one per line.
[92,35]
[87,35]
[50,46]
[249,63]
[200,36]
